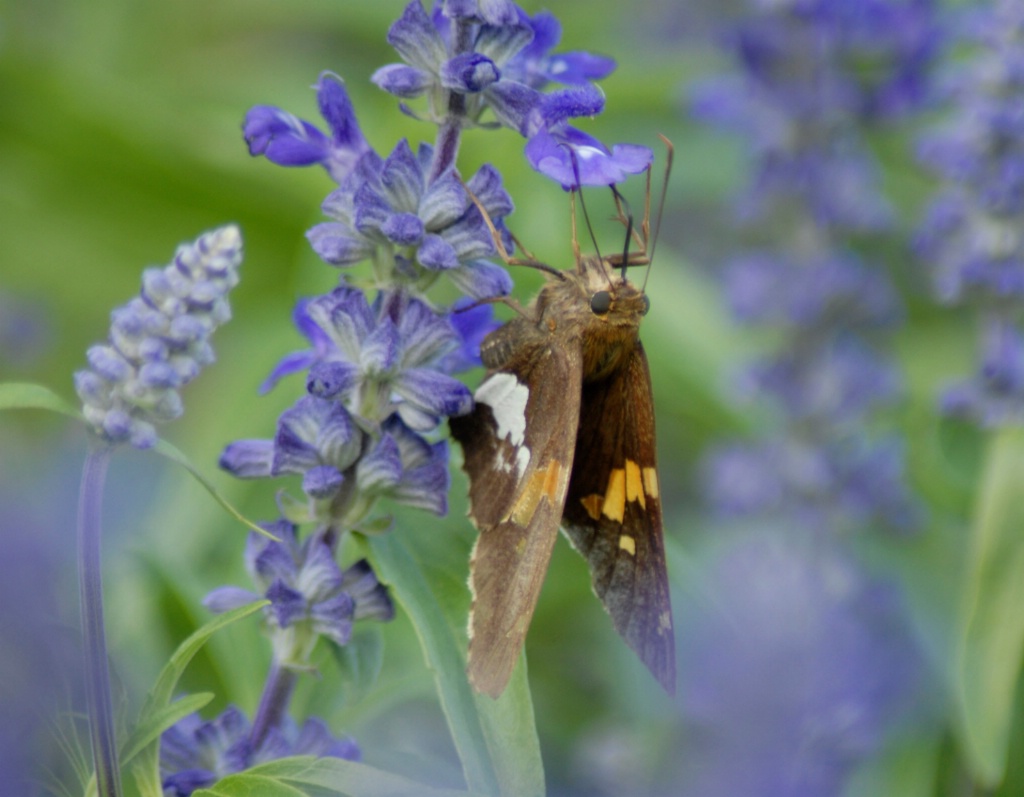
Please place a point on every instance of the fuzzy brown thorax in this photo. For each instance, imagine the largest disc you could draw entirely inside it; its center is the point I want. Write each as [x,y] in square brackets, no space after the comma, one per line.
[601,308]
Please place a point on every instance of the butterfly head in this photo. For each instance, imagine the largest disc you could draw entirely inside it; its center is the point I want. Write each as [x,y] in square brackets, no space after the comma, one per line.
[612,300]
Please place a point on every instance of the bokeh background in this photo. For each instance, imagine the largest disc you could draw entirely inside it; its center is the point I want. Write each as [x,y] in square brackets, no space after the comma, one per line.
[807,666]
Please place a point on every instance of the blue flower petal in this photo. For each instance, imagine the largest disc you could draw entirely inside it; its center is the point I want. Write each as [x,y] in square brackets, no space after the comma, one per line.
[436,254]
[416,39]
[425,335]
[345,318]
[287,605]
[315,739]
[501,42]
[331,378]
[548,153]
[289,364]
[337,110]
[402,178]
[371,597]
[381,348]
[333,618]
[338,244]
[248,459]
[443,202]
[283,138]
[578,67]
[559,106]
[322,482]
[381,468]
[315,432]
[319,577]
[433,391]
[404,229]
[494,12]
[481,279]
[469,73]
[513,104]
[487,186]
[224,599]
[402,80]
[472,322]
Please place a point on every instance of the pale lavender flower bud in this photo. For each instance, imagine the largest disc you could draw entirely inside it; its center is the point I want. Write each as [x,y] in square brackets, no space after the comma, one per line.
[160,341]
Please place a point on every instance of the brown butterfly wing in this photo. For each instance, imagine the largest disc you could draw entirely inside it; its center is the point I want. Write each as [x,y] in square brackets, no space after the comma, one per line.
[613,513]
[519,476]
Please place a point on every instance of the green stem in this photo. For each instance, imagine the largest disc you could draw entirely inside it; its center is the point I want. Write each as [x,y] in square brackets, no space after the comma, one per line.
[90,584]
[274,704]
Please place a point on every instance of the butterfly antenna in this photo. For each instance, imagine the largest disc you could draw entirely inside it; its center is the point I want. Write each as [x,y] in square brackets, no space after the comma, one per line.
[578,190]
[623,205]
[499,244]
[669,156]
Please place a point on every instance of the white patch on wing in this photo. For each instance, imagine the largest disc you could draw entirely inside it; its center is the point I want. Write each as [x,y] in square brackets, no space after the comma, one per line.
[522,460]
[507,398]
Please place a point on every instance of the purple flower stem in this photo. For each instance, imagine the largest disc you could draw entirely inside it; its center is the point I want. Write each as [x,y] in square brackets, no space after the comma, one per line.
[446,149]
[90,584]
[274,703]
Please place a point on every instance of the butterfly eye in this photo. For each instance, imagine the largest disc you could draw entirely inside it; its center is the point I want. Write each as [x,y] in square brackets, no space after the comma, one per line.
[601,302]
[647,305]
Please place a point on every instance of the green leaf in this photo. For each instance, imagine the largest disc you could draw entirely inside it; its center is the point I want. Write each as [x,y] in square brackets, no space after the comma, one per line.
[906,767]
[496,740]
[510,732]
[142,744]
[246,784]
[359,661]
[164,448]
[27,396]
[302,775]
[990,631]
[160,720]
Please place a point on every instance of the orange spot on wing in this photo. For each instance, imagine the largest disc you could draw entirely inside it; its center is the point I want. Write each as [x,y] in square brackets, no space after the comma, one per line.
[593,503]
[614,506]
[547,483]
[634,484]
[651,482]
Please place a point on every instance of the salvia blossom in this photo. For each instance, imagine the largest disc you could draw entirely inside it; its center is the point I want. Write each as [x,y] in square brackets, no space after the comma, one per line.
[795,671]
[835,661]
[799,100]
[160,341]
[195,753]
[971,236]
[810,68]
[378,368]
[310,596]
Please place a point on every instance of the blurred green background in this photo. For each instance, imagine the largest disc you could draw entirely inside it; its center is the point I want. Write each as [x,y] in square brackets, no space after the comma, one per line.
[120,136]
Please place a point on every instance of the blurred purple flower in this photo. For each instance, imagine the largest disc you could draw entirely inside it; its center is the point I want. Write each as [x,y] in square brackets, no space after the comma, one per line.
[196,753]
[795,669]
[970,236]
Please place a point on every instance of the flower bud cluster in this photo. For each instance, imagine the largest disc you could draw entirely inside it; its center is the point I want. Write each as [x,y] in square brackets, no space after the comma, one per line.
[160,340]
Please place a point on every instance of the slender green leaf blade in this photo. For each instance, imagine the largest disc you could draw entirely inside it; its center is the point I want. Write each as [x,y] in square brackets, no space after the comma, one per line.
[166,449]
[161,720]
[990,634]
[497,738]
[167,681]
[314,775]
[146,759]
[510,732]
[248,784]
[28,396]
[443,654]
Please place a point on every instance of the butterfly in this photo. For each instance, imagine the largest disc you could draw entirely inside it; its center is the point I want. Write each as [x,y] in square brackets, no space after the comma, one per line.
[562,435]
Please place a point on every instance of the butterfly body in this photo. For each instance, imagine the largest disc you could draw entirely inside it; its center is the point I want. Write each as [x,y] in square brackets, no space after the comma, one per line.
[562,434]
